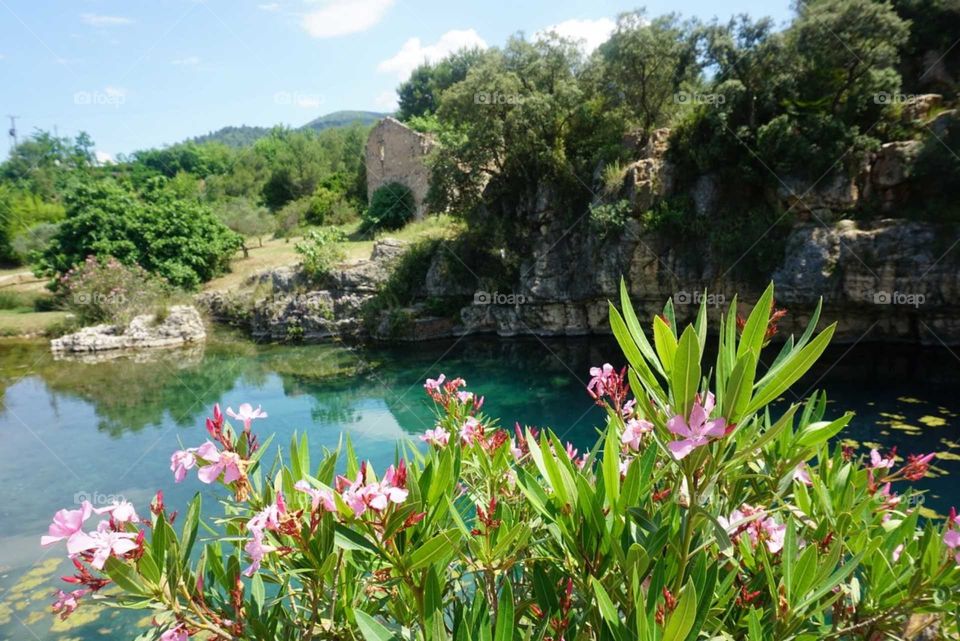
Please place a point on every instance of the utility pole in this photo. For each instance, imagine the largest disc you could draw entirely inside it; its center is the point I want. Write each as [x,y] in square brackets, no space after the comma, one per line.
[13,131]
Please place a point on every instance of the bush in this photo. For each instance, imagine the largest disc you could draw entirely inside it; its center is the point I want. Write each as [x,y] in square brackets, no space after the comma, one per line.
[246,219]
[609,219]
[702,512]
[179,240]
[321,251]
[103,290]
[391,207]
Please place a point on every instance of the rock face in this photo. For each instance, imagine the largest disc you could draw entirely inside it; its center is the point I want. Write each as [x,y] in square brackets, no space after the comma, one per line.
[396,153]
[181,325]
[283,305]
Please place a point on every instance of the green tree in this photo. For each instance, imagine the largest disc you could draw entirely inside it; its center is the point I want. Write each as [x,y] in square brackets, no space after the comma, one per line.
[420,95]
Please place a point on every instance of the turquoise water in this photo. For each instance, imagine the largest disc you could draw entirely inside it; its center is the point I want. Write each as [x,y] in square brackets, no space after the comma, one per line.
[72,430]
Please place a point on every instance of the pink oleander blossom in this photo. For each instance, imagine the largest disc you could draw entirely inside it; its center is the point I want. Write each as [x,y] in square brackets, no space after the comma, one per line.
[759,527]
[878,462]
[318,497]
[176,633]
[434,384]
[801,474]
[120,512]
[897,551]
[635,429]
[698,430]
[951,538]
[438,437]
[257,551]
[227,463]
[181,461]
[247,414]
[67,602]
[599,378]
[269,518]
[361,495]
[68,525]
[470,431]
[105,542]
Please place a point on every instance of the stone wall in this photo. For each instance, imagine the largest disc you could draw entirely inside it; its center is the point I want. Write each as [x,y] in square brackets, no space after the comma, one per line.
[396,153]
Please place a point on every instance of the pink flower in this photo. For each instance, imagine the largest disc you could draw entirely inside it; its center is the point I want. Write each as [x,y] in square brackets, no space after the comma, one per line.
[470,431]
[176,633]
[120,511]
[696,432]
[628,408]
[433,384]
[68,524]
[246,414]
[67,602]
[318,497]
[599,377]
[226,463]
[878,462]
[634,431]
[105,542]
[269,517]
[897,551]
[360,495]
[181,461]
[802,474]
[257,550]
[438,437]
[463,397]
[758,526]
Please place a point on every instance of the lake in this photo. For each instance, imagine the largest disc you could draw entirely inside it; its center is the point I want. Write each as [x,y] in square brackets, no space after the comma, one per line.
[71,430]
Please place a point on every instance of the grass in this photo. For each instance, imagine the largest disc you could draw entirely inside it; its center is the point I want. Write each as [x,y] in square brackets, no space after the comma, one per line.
[17,322]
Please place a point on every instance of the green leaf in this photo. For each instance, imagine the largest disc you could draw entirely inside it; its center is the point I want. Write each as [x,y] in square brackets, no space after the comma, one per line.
[505,624]
[434,549]
[607,609]
[370,628]
[751,339]
[190,524]
[634,356]
[685,375]
[682,619]
[636,330]
[665,341]
[257,592]
[815,434]
[124,576]
[739,388]
[792,369]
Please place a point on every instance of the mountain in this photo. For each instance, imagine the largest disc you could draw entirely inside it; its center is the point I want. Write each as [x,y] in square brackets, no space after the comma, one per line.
[245,135]
[343,118]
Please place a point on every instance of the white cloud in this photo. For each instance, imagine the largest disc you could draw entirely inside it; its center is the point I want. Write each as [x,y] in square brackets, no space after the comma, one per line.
[95,20]
[342,17]
[103,157]
[189,61]
[269,6]
[592,33]
[387,101]
[413,53]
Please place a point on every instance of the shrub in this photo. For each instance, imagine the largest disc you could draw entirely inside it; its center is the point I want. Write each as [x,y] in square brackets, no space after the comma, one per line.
[321,251]
[608,219]
[179,240]
[391,206]
[702,512]
[103,290]
[247,219]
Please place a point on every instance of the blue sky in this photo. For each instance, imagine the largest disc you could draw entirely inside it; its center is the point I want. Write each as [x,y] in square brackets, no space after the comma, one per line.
[145,73]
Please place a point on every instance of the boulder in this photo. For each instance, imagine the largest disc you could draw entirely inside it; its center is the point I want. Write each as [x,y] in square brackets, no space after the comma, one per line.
[181,325]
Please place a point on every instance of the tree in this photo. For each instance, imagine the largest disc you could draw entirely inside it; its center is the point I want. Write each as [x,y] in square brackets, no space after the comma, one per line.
[247,219]
[420,95]
[180,240]
[645,64]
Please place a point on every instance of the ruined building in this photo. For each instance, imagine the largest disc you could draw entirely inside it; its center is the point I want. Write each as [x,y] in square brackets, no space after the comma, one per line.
[397,153]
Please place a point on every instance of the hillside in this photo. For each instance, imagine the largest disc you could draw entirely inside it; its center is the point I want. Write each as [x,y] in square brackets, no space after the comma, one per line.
[244,135]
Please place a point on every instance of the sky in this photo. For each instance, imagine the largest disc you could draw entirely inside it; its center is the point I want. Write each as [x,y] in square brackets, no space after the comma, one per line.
[136,74]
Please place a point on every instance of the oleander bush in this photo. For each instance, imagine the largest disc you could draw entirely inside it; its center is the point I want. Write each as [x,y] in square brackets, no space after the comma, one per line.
[704,511]
[103,290]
